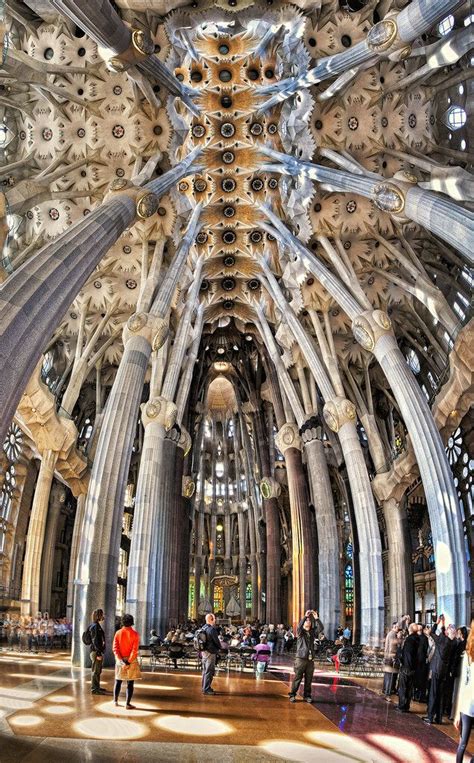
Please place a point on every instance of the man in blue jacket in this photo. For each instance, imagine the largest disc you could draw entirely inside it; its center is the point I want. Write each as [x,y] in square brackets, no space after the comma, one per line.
[308,629]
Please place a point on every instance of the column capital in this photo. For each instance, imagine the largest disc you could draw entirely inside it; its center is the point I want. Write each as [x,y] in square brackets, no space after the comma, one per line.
[188,486]
[161,411]
[384,39]
[269,488]
[370,326]
[141,47]
[311,429]
[146,202]
[151,327]
[288,437]
[337,412]
[184,441]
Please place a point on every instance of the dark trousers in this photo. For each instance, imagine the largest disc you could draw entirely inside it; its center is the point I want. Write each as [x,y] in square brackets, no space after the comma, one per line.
[389,683]
[435,699]
[96,668]
[304,668]
[208,669]
[465,731]
[448,695]
[406,679]
[128,693]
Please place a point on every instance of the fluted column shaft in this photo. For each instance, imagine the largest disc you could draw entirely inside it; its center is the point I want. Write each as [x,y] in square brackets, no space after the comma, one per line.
[30,589]
[242,564]
[303,553]
[161,545]
[400,575]
[198,560]
[74,555]
[452,577]
[56,500]
[329,605]
[186,379]
[99,554]
[141,592]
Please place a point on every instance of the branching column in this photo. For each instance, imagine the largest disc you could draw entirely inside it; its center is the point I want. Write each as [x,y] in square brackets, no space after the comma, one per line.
[56,500]
[30,590]
[42,289]
[373,330]
[303,552]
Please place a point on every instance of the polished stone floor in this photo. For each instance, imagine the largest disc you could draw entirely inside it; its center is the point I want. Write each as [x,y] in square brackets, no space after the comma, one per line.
[47,713]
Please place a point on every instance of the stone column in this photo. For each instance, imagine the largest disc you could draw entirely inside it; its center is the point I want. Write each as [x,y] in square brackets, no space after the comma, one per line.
[73,559]
[162,542]
[56,500]
[329,604]
[388,38]
[157,417]
[97,579]
[242,564]
[31,582]
[303,553]
[198,560]
[372,329]
[399,559]
[127,47]
[400,197]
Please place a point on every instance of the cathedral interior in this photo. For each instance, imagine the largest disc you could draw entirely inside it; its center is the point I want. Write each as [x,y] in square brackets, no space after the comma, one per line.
[236,337]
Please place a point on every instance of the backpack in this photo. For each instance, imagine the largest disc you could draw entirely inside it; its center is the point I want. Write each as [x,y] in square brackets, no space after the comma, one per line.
[87,637]
[200,640]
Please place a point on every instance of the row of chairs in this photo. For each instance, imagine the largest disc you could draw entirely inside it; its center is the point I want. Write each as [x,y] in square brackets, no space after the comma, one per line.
[182,655]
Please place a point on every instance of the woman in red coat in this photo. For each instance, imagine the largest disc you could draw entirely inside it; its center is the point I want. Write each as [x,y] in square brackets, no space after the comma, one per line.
[125,647]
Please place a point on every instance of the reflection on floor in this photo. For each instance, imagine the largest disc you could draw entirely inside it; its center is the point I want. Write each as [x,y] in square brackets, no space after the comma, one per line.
[47,713]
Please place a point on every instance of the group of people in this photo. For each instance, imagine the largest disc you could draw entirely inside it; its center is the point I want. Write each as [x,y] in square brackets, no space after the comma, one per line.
[279,638]
[35,634]
[433,665]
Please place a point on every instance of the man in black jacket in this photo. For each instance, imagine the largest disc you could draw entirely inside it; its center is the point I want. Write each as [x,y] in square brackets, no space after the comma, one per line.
[97,649]
[308,629]
[423,666]
[209,654]
[409,663]
[440,662]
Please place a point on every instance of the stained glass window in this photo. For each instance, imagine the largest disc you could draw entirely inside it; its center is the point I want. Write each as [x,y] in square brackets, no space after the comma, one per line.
[248,597]
[218,603]
[349,590]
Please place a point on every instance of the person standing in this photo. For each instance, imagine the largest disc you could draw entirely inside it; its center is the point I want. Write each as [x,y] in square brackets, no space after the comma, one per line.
[390,663]
[423,666]
[125,648]
[444,644]
[464,714]
[97,649]
[408,668]
[308,629]
[210,650]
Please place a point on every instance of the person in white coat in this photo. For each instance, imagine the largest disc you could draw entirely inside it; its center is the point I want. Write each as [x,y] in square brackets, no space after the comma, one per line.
[464,715]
